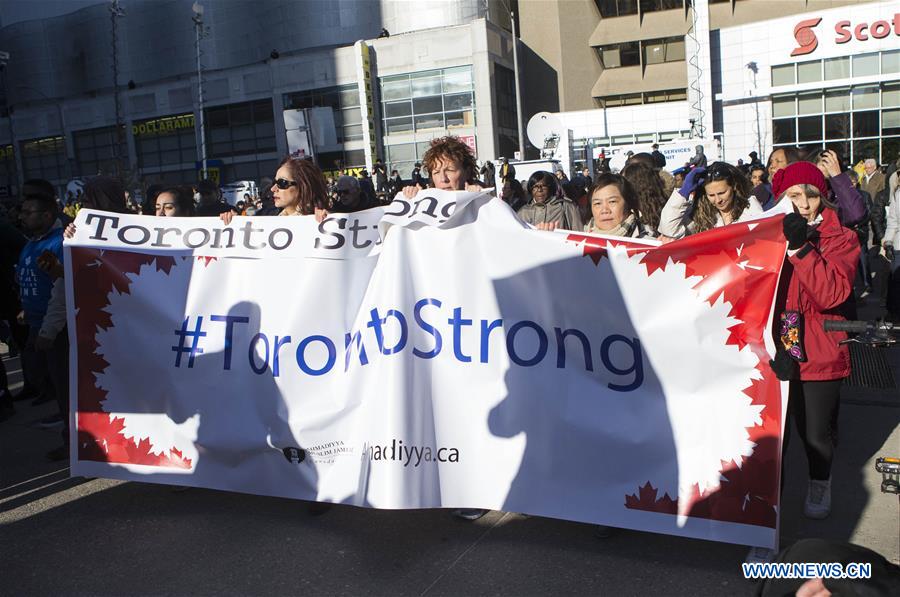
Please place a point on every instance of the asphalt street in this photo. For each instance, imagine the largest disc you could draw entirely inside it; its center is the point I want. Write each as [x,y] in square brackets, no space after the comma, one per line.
[73,536]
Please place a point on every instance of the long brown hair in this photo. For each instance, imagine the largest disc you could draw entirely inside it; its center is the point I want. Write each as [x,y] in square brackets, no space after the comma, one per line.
[648,187]
[705,214]
[311,189]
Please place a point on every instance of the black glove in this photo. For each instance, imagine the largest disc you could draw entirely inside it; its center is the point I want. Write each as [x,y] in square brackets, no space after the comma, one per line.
[795,230]
[784,366]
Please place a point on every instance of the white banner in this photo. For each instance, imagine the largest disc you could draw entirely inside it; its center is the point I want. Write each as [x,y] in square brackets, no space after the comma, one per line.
[442,354]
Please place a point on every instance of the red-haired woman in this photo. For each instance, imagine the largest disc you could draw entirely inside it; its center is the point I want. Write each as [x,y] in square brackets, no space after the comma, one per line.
[450,165]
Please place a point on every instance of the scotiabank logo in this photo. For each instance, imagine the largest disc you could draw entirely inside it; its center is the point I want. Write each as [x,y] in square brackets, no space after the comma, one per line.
[844,31]
[863,31]
[806,37]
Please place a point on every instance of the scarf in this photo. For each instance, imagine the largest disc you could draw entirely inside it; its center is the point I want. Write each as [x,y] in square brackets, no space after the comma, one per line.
[626,228]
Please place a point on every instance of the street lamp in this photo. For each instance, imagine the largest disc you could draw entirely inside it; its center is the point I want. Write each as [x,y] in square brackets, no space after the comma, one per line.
[115,13]
[515,45]
[198,26]
[754,69]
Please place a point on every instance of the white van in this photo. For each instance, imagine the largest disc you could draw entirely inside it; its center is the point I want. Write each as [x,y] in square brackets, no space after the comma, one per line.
[235,191]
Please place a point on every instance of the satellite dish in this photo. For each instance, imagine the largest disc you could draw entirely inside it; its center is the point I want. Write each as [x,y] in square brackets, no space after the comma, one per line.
[543,125]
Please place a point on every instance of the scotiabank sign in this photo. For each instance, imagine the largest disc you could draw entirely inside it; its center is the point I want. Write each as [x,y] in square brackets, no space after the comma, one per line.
[808,41]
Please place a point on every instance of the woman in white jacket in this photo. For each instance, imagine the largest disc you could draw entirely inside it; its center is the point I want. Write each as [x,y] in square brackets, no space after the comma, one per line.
[709,198]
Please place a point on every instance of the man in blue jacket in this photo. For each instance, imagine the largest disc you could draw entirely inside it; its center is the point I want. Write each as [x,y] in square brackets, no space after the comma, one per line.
[41,295]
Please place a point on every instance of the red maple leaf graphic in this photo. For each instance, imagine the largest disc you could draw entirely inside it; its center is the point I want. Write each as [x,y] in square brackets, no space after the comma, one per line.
[100,437]
[740,264]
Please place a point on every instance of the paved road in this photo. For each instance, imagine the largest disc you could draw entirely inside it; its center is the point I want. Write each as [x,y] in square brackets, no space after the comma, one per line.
[62,536]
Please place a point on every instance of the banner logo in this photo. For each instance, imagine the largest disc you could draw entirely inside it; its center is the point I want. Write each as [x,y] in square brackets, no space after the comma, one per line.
[294,455]
[806,37]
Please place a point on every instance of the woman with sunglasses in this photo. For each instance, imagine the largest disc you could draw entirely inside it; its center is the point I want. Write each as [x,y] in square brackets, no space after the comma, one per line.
[298,190]
[708,199]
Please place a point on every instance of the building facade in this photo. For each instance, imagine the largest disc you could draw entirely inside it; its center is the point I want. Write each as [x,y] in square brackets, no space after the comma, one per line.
[444,68]
[727,70]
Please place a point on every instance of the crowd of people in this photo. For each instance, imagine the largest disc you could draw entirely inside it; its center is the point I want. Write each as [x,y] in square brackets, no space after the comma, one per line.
[841,232]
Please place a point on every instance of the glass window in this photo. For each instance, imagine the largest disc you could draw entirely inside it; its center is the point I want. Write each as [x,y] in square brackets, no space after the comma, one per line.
[616,8]
[457,79]
[865,65]
[657,5]
[457,101]
[465,118]
[842,148]
[837,100]
[349,96]
[809,128]
[439,99]
[865,149]
[865,97]
[890,96]
[100,151]
[398,125]
[44,158]
[394,109]
[783,75]
[890,147]
[783,106]
[809,72]
[395,88]
[353,116]
[654,52]
[890,62]
[890,122]
[784,131]
[426,105]
[429,121]
[865,124]
[617,55]
[425,85]
[837,68]
[809,103]
[657,51]
[837,126]
[245,129]
[354,132]
[404,152]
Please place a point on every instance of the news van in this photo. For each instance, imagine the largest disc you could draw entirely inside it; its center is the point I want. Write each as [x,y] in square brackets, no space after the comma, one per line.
[236,191]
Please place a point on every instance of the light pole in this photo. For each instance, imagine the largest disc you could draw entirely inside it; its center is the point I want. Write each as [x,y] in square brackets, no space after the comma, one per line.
[115,13]
[515,45]
[754,69]
[198,26]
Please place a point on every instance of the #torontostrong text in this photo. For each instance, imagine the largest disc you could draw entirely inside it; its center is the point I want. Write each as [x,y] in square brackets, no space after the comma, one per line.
[617,359]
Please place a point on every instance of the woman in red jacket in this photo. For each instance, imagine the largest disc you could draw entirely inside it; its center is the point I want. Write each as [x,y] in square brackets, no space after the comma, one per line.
[820,267]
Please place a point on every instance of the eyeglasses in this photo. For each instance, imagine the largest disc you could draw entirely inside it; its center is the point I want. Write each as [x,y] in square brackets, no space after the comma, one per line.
[283,184]
[539,186]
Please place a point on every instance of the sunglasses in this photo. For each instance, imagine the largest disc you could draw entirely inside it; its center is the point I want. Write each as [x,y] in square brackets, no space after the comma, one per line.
[283,184]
